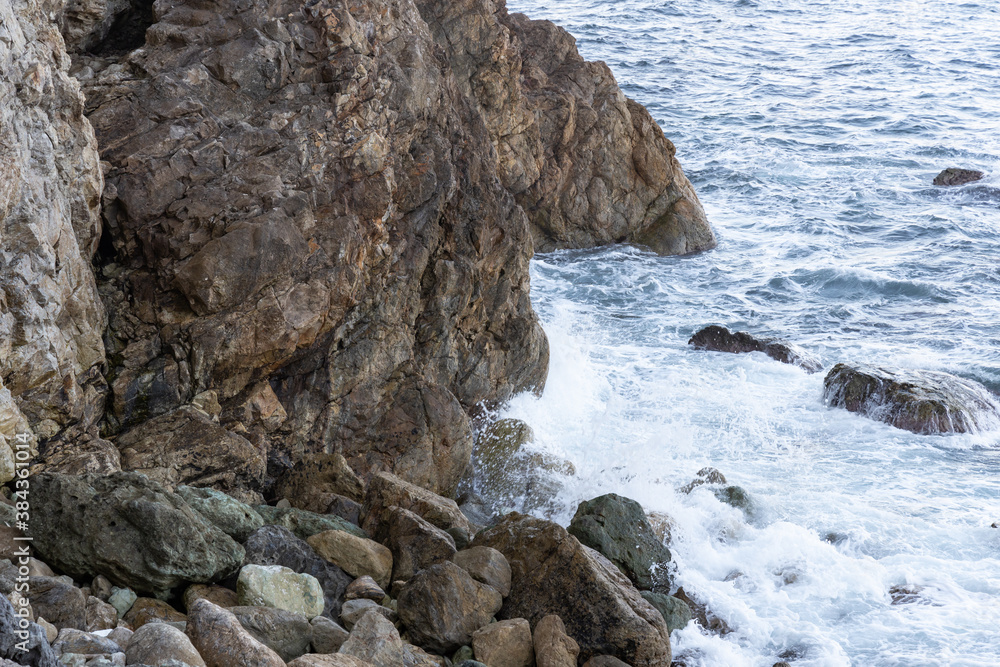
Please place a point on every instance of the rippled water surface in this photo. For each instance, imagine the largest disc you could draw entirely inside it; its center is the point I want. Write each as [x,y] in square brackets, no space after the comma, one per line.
[812,131]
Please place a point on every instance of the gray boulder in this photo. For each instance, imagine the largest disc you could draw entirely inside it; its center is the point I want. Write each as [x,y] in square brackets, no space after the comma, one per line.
[286,633]
[236,519]
[128,528]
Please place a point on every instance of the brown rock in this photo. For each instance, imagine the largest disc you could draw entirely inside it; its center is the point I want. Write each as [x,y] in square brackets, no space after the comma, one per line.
[552,573]
[376,641]
[146,610]
[486,565]
[355,555]
[386,490]
[319,474]
[956,176]
[442,606]
[720,339]
[415,543]
[605,661]
[504,644]
[224,597]
[553,647]
[100,587]
[222,642]
[157,643]
[364,588]
[61,604]
[327,636]
[328,660]
[100,615]
[186,447]
[286,633]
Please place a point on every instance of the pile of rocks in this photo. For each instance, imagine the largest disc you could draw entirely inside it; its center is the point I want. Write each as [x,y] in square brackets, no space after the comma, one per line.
[127,571]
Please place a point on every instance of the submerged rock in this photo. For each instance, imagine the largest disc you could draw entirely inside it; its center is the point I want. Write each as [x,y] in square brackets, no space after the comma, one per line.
[676,613]
[128,528]
[925,402]
[618,528]
[956,176]
[720,339]
[552,573]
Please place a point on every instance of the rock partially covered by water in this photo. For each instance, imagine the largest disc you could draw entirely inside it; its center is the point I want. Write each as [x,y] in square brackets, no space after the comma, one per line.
[926,402]
[128,528]
[721,339]
[618,528]
[552,573]
[956,176]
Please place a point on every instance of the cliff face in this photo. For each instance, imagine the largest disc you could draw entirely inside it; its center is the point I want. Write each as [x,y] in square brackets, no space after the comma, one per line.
[317,218]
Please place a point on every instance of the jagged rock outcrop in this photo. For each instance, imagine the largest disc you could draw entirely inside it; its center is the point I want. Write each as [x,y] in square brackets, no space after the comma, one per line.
[588,165]
[51,319]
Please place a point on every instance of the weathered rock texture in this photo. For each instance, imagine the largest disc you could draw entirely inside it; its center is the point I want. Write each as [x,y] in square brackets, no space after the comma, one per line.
[721,339]
[51,319]
[919,401]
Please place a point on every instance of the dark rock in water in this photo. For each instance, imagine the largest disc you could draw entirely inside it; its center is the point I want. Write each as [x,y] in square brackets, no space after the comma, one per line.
[721,339]
[707,475]
[736,496]
[618,528]
[676,613]
[907,594]
[552,573]
[956,176]
[128,528]
[39,653]
[703,615]
[926,402]
[275,545]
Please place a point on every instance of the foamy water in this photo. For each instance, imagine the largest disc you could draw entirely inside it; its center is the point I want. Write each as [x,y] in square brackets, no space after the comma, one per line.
[811,132]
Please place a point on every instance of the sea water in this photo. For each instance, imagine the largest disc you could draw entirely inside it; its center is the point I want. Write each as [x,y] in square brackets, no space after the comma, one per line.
[812,131]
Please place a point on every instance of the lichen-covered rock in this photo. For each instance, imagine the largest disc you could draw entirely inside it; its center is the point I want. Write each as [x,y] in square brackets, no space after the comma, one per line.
[318,475]
[386,490]
[156,643]
[279,587]
[358,556]
[149,539]
[236,519]
[305,524]
[552,573]
[919,401]
[442,606]
[376,641]
[415,543]
[721,339]
[186,447]
[287,633]
[486,565]
[553,647]
[51,347]
[222,642]
[274,545]
[618,528]
[504,644]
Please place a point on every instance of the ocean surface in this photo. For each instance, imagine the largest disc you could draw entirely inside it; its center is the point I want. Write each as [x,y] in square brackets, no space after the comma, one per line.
[812,132]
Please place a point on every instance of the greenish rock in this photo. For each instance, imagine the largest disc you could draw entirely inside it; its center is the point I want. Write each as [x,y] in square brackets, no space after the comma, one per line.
[128,528]
[463,654]
[305,524]
[122,600]
[926,402]
[617,527]
[236,519]
[281,588]
[676,613]
[469,663]
[737,497]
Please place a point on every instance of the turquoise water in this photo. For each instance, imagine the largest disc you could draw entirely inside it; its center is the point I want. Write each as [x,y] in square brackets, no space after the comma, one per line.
[812,131]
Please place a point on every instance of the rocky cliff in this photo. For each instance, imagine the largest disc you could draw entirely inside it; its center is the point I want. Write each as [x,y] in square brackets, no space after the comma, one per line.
[313,230]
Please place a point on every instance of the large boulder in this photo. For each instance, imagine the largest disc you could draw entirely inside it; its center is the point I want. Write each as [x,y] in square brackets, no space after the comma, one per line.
[376,641]
[552,573]
[618,528]
[186,447]
[60,603]
[357,556]
[415,543]
[919,401]
[157,643]
[957,176]
[128,528]
[486,565]
[286,633]
[676,613]
[442,606]
[280,587]
[236,519]
[304,523]
[553,647]
[318,477]
[504,644]
[720,339]
[274,545]
[222,642]
[386,491]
